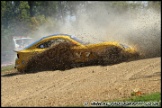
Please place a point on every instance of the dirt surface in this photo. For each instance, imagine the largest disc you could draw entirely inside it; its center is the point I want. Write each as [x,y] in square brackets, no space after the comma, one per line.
[76,86]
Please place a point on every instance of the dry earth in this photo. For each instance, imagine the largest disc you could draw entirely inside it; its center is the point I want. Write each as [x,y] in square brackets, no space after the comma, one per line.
[76,86]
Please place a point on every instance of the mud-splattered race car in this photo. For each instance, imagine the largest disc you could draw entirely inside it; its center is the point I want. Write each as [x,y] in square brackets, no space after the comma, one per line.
[60,51]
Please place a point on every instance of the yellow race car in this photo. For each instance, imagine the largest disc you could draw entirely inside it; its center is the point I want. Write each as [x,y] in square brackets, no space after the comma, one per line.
[62,50]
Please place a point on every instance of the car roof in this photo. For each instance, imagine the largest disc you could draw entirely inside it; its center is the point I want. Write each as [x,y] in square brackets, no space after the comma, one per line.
[56,35]
[70,36]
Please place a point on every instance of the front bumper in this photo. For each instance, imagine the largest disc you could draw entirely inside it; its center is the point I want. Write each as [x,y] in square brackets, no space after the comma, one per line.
[19,64]
[16,63]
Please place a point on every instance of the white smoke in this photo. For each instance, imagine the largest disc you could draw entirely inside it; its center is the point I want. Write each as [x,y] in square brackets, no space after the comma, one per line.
[98,22]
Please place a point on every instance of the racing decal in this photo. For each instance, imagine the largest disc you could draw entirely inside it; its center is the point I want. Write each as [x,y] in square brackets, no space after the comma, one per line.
[87,54]
[35,52]
[78,54]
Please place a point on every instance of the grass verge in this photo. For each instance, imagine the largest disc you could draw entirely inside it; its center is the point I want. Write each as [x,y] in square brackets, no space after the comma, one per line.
[147,100]
[7,68]
[148,97]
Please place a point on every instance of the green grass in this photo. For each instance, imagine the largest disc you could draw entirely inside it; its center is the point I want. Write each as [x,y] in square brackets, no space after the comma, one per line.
[7,68]
[148,97]
[153,99]
[147,100]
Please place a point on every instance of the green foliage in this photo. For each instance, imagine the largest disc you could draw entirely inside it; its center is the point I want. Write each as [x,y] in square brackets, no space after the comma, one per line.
[24,5]
[24,10]
[3,8]
[37,21]
[6,39]
[156,5]
[23,17]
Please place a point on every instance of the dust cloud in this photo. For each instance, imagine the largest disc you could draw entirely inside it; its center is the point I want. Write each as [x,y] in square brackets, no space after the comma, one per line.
[99,21]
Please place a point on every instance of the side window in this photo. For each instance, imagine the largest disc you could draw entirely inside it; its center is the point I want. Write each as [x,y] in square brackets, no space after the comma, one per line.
[51,43]
[44,45]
